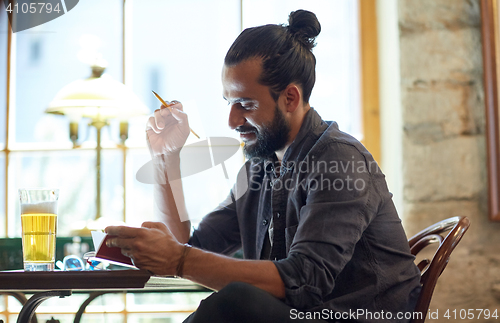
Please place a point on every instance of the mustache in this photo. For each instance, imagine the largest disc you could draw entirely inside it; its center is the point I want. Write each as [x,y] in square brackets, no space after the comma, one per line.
[246,129]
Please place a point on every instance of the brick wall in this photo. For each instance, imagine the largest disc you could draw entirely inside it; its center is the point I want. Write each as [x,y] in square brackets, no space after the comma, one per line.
[444,156]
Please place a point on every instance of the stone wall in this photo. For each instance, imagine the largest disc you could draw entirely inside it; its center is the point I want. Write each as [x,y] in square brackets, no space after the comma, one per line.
[444,154]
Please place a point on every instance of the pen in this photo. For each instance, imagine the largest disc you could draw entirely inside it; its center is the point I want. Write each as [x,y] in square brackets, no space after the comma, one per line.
[170,109]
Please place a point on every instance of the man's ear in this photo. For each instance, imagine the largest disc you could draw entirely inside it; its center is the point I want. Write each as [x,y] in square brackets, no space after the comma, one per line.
[293,97]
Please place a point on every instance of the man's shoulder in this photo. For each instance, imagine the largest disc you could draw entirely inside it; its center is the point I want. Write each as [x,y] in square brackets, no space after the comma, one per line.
[337,147]
[333,136]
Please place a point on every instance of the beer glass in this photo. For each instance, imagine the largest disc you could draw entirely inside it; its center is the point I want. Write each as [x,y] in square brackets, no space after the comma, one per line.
[39,226]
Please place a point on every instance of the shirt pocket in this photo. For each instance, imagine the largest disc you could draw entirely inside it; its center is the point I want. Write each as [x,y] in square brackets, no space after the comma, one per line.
[289,235]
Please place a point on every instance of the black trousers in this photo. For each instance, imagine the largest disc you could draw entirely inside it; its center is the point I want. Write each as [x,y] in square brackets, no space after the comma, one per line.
[241,303]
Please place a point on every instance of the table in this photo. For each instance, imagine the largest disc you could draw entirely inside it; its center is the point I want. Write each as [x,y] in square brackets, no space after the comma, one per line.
[63,283]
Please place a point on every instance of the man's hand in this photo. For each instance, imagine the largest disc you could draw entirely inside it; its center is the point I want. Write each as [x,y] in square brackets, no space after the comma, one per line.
[151,247]
[167,131]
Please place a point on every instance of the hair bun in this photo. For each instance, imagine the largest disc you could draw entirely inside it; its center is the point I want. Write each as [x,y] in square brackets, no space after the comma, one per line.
[305,26]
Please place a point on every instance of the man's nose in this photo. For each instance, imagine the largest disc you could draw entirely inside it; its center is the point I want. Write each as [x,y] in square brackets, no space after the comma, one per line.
[236,118]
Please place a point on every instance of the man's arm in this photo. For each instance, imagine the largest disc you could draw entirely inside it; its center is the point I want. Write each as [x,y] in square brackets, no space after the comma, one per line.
[169,197]
[216,271]
[154,248]
[167,132]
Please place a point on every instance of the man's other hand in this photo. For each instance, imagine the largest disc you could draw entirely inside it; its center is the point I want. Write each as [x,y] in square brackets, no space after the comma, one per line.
[151,247]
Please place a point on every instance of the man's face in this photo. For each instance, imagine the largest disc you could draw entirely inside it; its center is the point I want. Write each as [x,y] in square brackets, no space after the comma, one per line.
[260,120]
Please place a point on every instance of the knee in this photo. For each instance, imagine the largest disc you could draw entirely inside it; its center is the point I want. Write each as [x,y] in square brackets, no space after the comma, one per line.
[237,288]
[237,293]
[234,296]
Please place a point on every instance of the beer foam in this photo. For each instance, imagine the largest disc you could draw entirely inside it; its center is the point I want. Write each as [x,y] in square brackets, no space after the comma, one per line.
[41,207]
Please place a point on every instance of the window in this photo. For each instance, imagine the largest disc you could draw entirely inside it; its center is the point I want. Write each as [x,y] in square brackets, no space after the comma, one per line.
[43,60]
[169,48]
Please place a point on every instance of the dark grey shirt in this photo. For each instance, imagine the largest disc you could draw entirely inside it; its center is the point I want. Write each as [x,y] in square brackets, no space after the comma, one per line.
[344,247]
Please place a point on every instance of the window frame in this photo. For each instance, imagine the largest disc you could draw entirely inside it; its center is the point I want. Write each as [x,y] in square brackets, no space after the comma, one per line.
[490,32]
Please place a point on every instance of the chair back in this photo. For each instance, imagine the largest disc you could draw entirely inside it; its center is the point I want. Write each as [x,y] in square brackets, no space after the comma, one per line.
[432,269]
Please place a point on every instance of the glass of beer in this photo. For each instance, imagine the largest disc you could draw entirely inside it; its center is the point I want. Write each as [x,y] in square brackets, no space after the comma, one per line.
[39,226]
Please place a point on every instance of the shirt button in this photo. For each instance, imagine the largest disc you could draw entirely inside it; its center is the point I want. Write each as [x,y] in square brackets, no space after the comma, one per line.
[264,222]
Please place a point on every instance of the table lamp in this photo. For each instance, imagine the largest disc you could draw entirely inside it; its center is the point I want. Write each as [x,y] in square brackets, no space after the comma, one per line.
[99,98]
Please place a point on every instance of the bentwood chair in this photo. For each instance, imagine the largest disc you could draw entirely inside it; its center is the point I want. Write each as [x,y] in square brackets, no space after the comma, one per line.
[432,269]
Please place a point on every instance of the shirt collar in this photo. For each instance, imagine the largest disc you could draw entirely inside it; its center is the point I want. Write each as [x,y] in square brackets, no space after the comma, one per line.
[312,126]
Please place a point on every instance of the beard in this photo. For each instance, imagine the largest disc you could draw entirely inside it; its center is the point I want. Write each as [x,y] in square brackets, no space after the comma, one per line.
[271,138]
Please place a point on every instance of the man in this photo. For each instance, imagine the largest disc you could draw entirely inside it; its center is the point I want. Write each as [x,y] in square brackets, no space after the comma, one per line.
[319,232]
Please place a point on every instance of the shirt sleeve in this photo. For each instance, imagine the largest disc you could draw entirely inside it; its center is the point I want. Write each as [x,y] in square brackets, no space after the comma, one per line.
[341,202]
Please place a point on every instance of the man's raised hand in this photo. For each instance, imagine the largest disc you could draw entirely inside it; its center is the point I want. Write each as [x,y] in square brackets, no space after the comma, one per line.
[167,130]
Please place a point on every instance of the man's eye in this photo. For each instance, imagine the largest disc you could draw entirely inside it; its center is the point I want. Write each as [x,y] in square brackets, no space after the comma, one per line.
[248,106]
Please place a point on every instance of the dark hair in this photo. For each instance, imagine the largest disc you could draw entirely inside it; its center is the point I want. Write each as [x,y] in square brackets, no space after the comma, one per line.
[285,51]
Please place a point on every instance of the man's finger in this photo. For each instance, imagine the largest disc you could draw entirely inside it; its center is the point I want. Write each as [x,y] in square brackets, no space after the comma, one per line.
[113,241]
[179,115]
[122,231]
[176,105]
[153,225]
[158,116]
[151,125]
